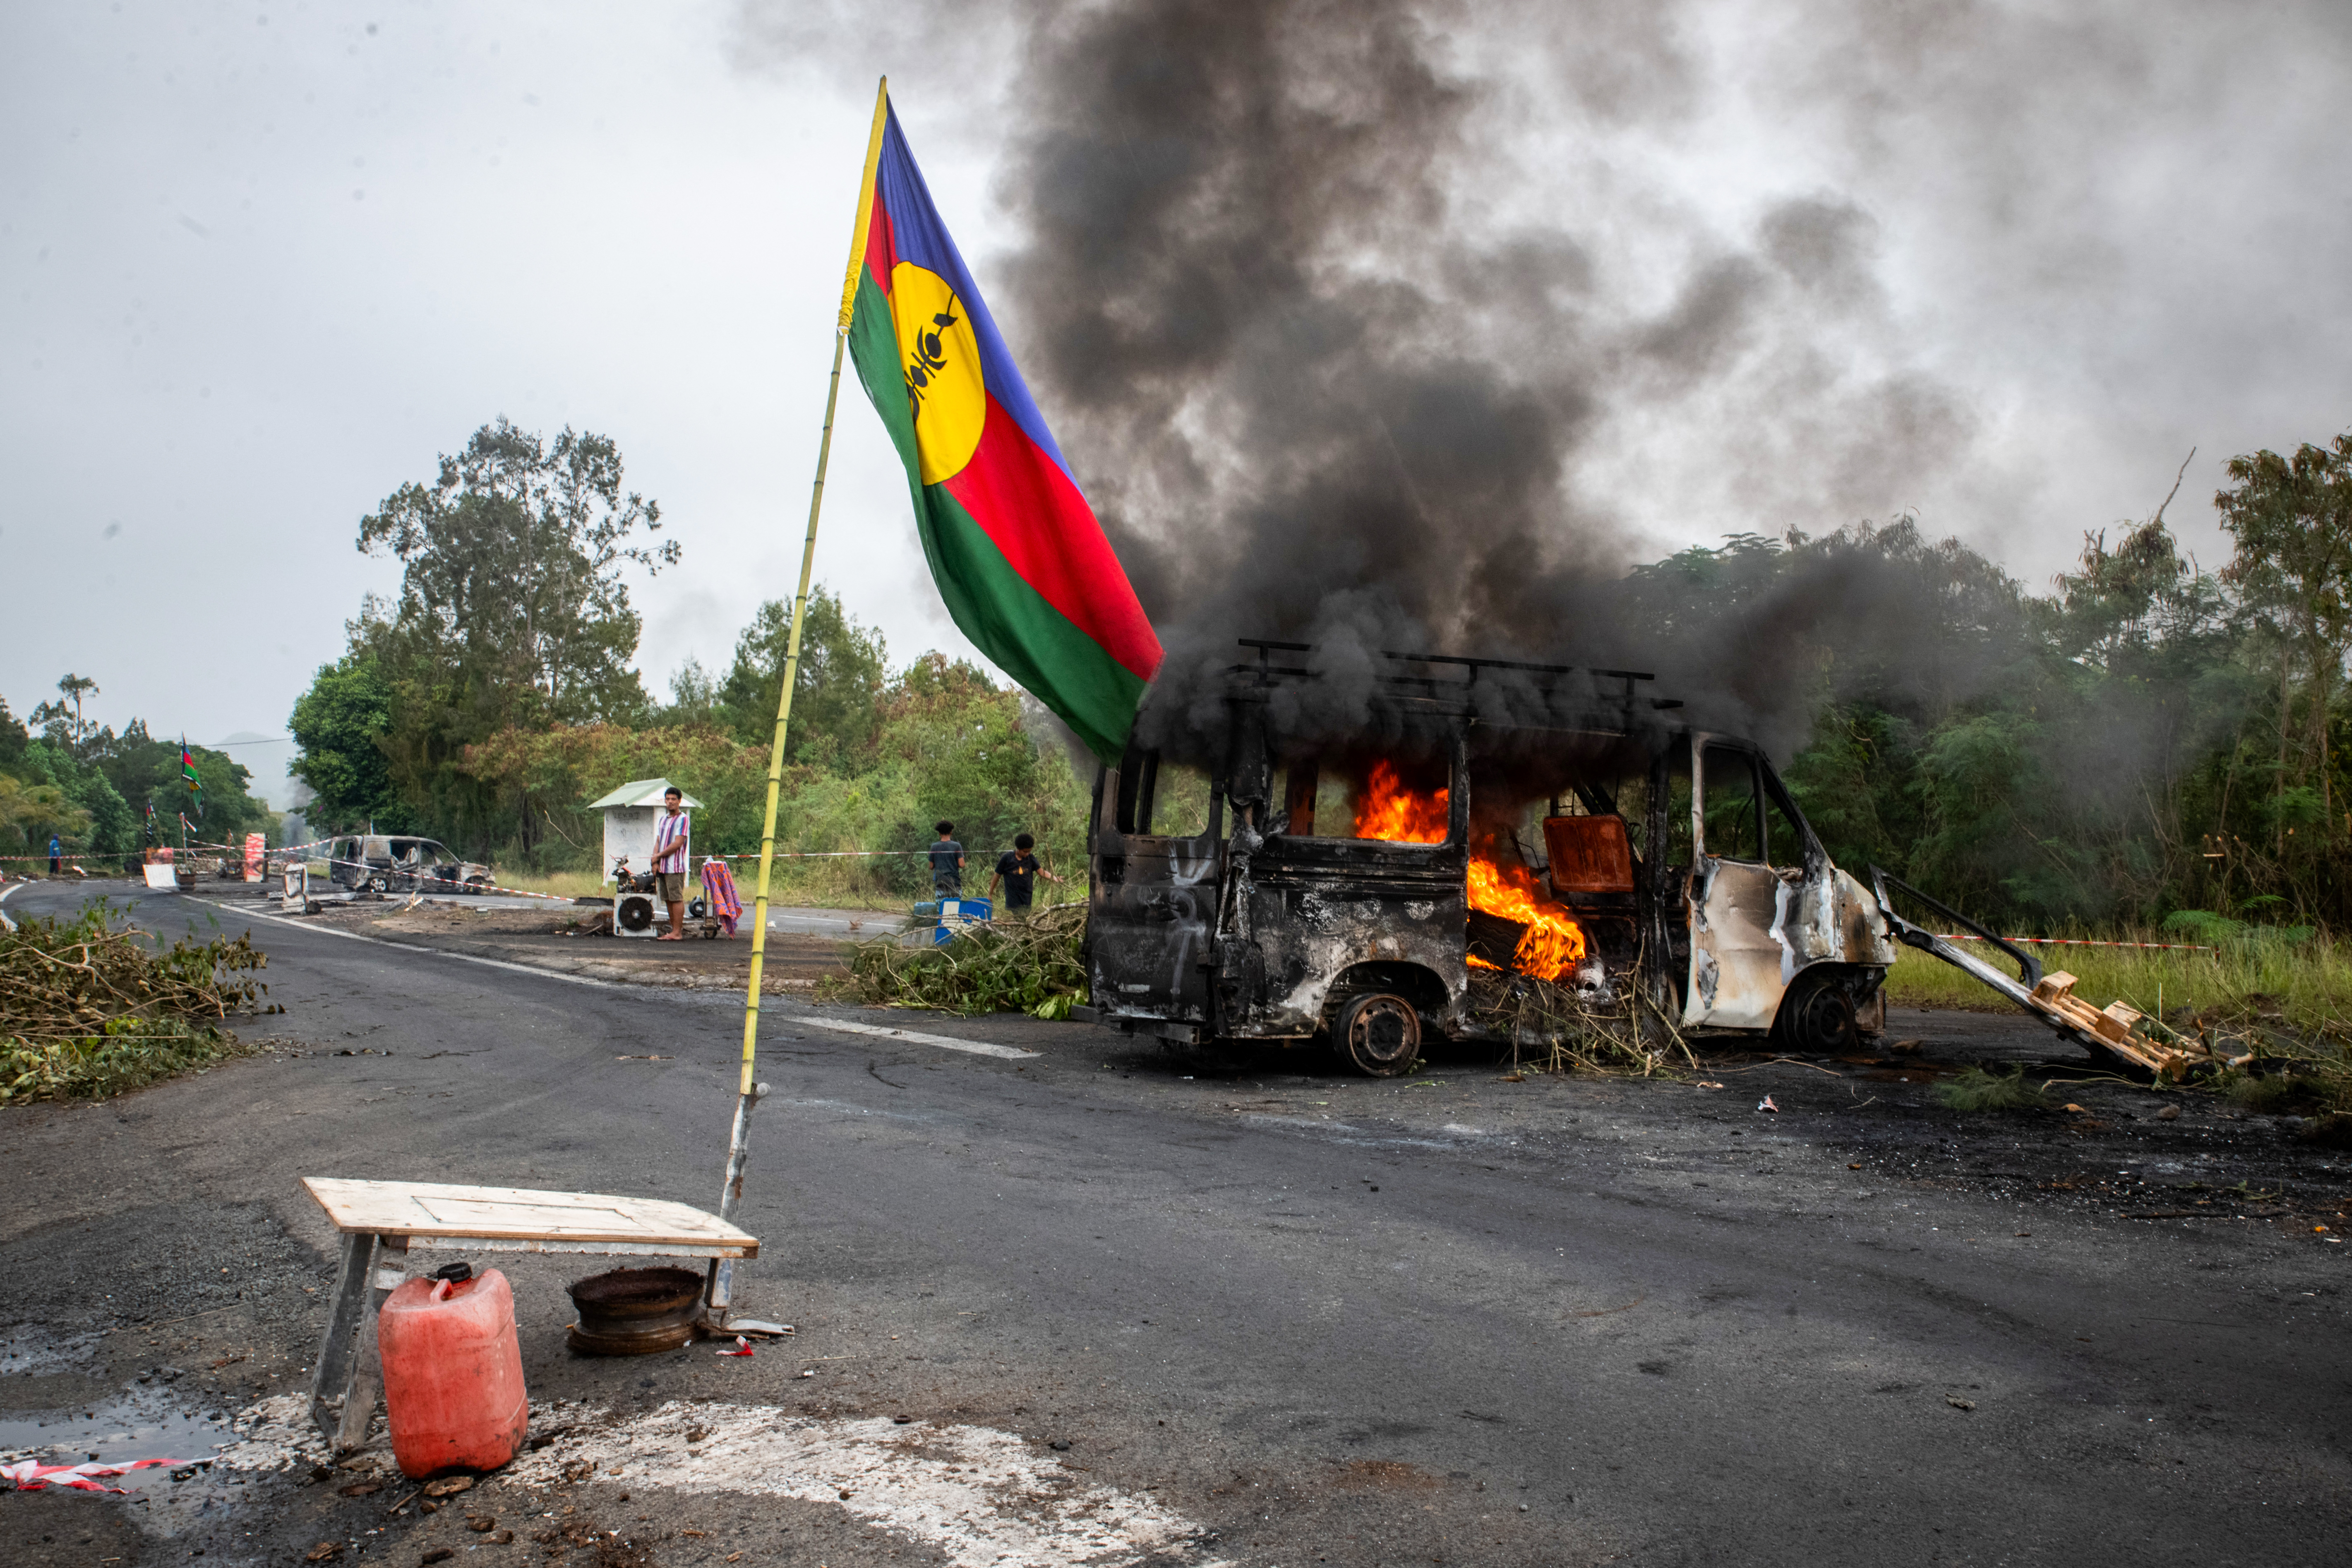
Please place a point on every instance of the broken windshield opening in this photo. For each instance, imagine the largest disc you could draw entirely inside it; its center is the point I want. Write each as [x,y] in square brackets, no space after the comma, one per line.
[1166,799]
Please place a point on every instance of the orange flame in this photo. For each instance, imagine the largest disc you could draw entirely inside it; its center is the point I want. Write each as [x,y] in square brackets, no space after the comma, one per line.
[1554,944]
[1388,811]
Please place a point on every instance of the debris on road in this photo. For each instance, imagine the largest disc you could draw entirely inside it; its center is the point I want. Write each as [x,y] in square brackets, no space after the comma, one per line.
[1766,1104]
[92,1011]
[743,1347]
[635,1311]
[1001,965]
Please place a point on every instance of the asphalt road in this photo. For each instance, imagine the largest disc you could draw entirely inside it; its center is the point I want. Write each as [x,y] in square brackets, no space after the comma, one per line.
[1311,1318]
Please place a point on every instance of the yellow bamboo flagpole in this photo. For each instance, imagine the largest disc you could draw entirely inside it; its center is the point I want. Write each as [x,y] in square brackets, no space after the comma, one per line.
[749,1093]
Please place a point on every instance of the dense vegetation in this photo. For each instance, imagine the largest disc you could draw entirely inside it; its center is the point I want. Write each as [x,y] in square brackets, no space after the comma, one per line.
[494,698]
[94,789]
[2149,739]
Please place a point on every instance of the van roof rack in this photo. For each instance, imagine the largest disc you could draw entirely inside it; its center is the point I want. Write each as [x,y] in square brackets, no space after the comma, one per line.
[1267,672]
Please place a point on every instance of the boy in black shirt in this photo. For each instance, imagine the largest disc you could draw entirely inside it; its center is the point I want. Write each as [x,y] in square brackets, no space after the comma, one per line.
[1018,870]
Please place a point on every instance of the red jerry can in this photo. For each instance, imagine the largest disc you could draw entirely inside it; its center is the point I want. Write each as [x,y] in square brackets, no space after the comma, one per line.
[453,1388]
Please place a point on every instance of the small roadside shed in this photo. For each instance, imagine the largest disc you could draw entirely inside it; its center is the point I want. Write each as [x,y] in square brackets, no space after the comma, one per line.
[629,813]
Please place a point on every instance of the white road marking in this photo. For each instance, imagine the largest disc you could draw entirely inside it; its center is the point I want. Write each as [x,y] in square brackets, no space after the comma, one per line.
[945,1042]
[980,1497]
[799,1019]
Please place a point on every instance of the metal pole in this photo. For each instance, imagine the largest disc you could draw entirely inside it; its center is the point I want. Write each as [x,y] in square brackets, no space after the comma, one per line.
[748,1092]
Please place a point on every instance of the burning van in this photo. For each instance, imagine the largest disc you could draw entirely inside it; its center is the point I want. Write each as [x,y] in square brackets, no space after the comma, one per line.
[1479,826]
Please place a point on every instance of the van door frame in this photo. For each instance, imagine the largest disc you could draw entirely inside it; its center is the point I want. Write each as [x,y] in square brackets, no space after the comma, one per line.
[1740,961]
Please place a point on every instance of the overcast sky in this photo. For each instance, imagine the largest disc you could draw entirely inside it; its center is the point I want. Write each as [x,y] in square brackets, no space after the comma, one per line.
[260,263]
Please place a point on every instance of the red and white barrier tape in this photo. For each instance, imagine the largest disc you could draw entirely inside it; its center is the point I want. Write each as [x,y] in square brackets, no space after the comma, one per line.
[2086,941]
[818,854]
[31,1475]
[175,848]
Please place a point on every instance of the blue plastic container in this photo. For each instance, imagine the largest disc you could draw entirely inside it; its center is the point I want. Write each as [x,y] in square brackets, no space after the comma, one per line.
[955,914]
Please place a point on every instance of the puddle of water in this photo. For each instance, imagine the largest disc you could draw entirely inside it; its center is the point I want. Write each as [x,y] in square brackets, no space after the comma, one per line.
[142,1426]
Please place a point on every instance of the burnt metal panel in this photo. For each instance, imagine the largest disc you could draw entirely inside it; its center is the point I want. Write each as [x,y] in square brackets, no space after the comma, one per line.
[1737,955]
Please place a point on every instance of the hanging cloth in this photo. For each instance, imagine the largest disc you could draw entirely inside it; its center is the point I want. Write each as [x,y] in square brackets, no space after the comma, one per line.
[719,892]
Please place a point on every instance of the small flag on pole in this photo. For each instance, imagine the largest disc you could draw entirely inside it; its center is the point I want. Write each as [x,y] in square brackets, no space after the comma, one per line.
[194,780]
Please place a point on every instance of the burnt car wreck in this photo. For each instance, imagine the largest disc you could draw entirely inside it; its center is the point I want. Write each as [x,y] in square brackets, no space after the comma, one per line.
[1479,824]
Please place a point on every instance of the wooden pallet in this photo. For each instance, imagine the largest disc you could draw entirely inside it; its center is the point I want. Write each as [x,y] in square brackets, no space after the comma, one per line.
[2110,1028]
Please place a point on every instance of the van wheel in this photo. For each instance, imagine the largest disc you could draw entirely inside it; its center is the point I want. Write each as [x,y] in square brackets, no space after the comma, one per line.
[1817,1016]
[1379,1034]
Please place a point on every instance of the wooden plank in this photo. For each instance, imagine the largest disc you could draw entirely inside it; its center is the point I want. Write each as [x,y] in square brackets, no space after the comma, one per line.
[592,1249]
[504,1216]
[434,1209]
[2055,985]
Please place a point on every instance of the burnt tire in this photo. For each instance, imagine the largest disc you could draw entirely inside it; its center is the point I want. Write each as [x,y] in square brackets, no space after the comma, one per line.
[1817,1016]
[1378,1034]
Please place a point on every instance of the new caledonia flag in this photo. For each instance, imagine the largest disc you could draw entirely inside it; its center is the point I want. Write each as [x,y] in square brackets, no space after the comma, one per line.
[1016,550]
[194,780]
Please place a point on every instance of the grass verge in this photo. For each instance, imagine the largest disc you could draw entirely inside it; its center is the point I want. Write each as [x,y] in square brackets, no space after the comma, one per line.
[2307,984]
[2284,1000]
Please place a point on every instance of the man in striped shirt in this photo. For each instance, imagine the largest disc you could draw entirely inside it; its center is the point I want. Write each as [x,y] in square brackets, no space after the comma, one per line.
[669,860]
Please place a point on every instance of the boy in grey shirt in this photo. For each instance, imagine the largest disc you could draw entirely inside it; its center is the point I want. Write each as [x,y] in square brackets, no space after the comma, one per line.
[947,863]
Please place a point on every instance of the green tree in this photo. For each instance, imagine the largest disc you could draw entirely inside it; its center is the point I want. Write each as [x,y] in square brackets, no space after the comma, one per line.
[512,608]
[62,720]
[693,697]
[140,767]
[30,813]
[112,827]
[339,724]
[511,597]
[14,739]
[836,695]
[2291,520]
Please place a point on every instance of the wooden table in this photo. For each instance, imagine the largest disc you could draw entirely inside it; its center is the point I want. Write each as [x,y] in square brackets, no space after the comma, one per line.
[381,1221]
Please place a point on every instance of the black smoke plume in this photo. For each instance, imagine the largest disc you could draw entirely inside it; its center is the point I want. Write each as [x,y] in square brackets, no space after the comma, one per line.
[1332,360]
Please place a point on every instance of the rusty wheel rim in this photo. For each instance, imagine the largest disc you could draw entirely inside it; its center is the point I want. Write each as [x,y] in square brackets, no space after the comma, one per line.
[1382,1035]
